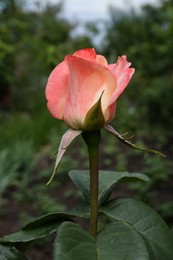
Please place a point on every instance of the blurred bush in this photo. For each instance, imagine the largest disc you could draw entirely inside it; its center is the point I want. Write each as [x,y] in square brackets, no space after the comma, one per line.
[16,163]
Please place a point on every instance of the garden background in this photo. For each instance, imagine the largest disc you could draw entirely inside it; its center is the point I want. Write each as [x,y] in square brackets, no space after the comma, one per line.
[32,42]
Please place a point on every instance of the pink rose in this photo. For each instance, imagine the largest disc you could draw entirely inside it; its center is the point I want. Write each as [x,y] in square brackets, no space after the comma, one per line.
[83,89]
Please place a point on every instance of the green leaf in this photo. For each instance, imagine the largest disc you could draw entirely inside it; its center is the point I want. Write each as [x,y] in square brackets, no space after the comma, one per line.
[10,253]
[47,219]
[37,228]
[74,243]
[145,221]
[107,181]
[116,241]
[119,241]
[24,236]
[81,211]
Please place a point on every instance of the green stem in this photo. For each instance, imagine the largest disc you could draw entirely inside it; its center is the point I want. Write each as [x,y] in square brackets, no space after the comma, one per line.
[92,139]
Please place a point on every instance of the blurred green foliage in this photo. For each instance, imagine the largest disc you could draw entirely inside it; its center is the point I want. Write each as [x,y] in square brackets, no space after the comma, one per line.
[16,164]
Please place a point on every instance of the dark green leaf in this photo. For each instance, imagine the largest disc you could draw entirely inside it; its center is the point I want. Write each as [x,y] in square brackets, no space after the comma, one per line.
[74,243]
[10,253]
[37,228]
[81,211]
[107,181]
[116,241]
[24,236]
[47,219]
[120,241]
[146,222]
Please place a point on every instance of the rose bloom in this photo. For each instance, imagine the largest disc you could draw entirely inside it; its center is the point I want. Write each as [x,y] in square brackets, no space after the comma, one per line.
[83,89]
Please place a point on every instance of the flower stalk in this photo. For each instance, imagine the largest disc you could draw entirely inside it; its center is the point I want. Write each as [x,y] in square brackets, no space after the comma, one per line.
[92,140]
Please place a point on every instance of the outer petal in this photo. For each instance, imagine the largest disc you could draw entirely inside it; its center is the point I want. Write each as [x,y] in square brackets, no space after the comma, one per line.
[90,54]
[66,140]
[110,112]
[57,89]
[87,53]
[87,82]
[123,74]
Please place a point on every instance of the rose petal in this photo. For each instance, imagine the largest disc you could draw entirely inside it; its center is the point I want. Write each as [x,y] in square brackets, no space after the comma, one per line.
[56,90]
[101,60]
[87,53]
[90,54]
[110,112]
[123,74]
[87,81]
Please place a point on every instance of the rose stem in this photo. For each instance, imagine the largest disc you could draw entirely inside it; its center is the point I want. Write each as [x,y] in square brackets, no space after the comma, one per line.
[92,139]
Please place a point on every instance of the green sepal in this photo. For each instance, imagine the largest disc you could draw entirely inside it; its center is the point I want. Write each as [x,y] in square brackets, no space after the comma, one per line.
[127,142]
[94,119]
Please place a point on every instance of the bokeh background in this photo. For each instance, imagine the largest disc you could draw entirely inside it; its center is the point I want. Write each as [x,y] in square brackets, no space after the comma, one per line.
[34,37]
